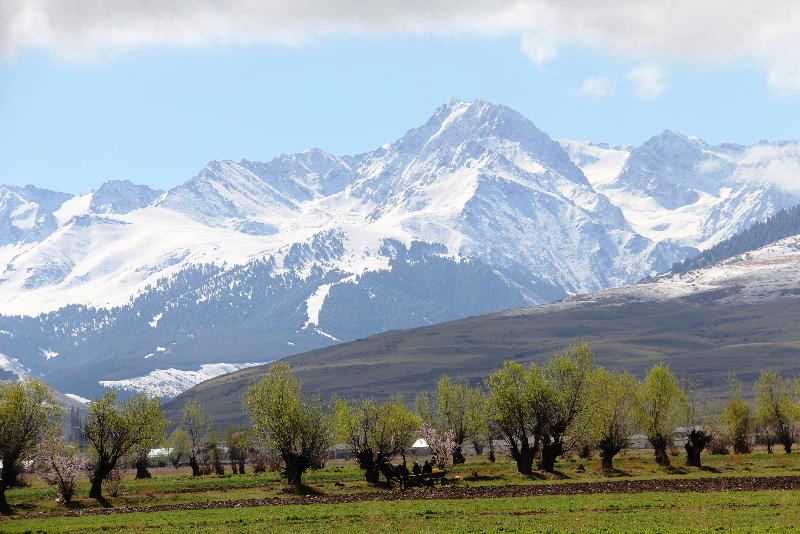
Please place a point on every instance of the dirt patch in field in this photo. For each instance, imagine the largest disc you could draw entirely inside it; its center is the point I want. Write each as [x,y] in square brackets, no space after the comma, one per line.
[460,492]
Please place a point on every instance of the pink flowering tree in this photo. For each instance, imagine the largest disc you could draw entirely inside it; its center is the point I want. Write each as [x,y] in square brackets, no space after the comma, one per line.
[441,444]
[60,465]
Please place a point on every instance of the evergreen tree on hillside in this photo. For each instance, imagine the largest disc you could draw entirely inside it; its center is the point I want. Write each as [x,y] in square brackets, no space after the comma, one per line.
[785,223]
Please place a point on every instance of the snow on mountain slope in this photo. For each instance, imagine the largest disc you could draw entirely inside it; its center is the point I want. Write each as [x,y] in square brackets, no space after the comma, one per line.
[679,189]
[766,274]
[475,211]
[26,213]
[104,260]
[168,383]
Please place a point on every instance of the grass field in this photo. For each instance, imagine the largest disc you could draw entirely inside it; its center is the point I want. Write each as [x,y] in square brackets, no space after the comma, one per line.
[656,511]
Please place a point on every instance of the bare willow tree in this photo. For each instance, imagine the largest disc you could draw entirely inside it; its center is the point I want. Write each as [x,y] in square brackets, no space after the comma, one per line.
[116,429]
[29,413]
[457,407]
[662,405]
[197,425]
[698,424]
[294,425]
[375,432]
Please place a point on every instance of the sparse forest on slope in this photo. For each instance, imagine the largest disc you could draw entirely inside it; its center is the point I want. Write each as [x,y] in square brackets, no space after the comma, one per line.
[785,223]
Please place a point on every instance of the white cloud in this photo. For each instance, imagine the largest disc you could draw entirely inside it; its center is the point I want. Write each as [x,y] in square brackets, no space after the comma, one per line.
[540,48]
[595,86]
[784,77]
[648,81]
[649,30]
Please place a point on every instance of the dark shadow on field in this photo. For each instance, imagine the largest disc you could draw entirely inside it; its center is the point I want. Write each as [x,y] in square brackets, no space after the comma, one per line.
[559,475]
[710,469]
[672,470]
[105,503]
[303,489]
[614,472]
[477,477]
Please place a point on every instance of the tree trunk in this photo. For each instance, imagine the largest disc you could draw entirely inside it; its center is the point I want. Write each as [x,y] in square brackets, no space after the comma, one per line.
[234,468]
[4,508]
[141,469]
[524,456]
[491,451]
[769,445]
[741,445]
[607,454]
[104,467]
[478,446]
[787,445]
[696,441]
[10,473]
[294,470]
[550,451]
[241,466]
[367,462]
[659,444]
[195,466]
[458,456]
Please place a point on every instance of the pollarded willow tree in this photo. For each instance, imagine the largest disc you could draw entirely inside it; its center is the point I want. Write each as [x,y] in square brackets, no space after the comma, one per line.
[778,407]
[737,419]
[616,418]
[662,408]
[375,432]
[197,425]
[514,406]
[116,429]
[154,433]
[698,424]
[567,402]
[29,413]
[285,421]
[458,407]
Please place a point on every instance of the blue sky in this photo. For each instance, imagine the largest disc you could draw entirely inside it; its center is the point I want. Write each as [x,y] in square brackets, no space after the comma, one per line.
[156,114]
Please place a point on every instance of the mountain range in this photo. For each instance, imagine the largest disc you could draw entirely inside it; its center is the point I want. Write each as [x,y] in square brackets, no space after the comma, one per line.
[475,211]
[739,314]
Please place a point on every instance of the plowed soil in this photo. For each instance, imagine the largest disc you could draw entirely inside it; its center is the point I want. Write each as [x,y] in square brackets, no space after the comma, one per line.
[456,492]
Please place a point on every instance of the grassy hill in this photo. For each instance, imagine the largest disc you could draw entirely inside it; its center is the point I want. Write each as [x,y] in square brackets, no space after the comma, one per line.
[696,336]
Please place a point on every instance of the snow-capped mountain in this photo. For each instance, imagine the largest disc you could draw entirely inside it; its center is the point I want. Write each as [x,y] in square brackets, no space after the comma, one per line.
[679,189]
[476,210]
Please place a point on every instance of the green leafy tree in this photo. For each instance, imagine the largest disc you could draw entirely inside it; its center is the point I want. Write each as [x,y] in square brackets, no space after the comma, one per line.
[777,405]
[197,425]
[238,443]
[567,407]
[460,408]
[662,408]
[180,447]
[737,419]
[293,425]
[153,435]
[375,432]
[115,429]
[615,419]
[517,395]
[29,414]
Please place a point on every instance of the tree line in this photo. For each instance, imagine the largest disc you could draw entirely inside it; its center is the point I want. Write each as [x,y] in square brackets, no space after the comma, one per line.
[540,411]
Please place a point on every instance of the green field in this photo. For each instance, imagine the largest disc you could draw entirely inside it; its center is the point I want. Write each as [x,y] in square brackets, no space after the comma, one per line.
[657,511]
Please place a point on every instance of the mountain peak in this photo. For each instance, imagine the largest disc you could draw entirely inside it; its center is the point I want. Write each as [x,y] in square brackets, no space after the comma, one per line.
[493,126]
[121,196]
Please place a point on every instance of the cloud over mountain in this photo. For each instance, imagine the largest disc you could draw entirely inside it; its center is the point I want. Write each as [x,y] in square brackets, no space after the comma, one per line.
[713,31]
